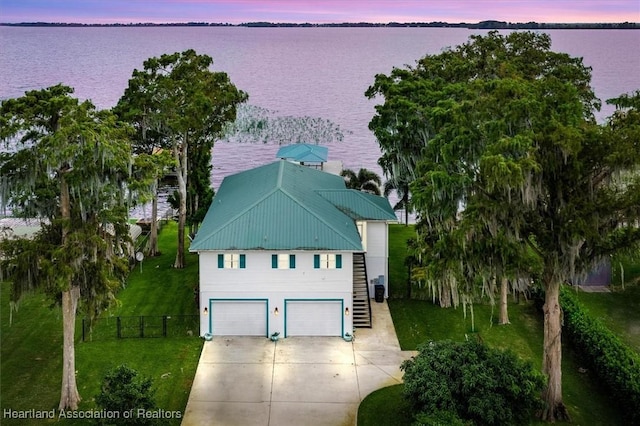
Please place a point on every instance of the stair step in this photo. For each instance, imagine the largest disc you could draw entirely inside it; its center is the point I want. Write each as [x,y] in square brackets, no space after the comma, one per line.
[361,301]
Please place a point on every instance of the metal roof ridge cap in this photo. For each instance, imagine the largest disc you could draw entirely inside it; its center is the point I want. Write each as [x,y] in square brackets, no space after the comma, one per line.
[280,177]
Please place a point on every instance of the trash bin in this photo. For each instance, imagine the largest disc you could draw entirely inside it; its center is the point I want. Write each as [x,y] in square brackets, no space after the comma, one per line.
[379,293]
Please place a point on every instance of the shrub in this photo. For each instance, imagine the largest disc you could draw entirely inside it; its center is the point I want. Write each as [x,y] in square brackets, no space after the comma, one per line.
[616,365]
[471,382]
[123,391]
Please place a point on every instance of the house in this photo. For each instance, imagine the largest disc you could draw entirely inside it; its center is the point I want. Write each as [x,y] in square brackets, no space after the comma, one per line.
[315,156]
[304,154]
[288,249]
[25,228]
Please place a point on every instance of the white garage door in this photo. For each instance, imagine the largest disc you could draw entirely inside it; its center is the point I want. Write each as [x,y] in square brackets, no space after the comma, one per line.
[313,317]
[239,317]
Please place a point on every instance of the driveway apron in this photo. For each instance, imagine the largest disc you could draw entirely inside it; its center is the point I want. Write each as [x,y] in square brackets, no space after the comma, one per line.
[312,381]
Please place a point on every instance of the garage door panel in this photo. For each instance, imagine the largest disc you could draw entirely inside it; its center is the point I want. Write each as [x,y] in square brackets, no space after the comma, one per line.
[313,318]
[239,317]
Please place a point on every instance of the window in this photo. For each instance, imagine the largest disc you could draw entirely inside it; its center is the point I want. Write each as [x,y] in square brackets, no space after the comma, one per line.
[231,261]
[327,261]
[283,261]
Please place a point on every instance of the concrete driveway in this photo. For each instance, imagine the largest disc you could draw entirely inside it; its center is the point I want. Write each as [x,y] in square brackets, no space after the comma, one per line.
[295,381]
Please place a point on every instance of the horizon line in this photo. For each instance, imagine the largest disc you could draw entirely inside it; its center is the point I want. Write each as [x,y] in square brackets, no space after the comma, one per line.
[486,21]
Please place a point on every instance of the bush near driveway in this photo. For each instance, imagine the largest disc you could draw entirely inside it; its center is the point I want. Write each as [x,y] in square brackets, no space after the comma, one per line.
[124,390]
[469,381]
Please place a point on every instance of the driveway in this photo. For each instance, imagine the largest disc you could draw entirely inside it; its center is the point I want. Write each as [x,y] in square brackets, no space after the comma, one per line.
[295,381]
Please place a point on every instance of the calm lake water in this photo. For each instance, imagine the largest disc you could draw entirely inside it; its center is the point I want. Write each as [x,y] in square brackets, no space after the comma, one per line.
[317,72]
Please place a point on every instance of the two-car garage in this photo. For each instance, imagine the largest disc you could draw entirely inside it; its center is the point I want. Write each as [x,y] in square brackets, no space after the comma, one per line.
[300,317]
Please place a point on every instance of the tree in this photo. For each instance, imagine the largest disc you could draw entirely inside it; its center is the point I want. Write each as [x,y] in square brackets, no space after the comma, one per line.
[148,169]
[365,180]
[67,165]
[471,382]
[401,187]
[507,140]
[186,106]
[151,162]
[123,390]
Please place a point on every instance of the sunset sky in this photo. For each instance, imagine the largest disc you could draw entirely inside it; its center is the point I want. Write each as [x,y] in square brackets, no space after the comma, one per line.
[318,11]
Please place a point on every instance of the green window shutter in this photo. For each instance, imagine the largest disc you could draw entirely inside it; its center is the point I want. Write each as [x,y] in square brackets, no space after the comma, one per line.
[338,261]
[243,263]
[316,261]
[274,261]
[292,261]
[221,261]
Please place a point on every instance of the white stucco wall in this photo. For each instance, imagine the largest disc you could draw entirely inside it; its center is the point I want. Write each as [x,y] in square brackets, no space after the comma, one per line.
[258,280]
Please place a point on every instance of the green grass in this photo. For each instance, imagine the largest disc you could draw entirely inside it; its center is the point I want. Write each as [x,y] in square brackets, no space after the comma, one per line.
[618,310]
[626,266]
[31,354]
[390,408]
[418,321]
[398,273]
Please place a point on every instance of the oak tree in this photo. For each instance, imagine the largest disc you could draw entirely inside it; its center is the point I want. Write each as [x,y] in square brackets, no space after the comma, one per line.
[186,106]
[503,137]
[65,164]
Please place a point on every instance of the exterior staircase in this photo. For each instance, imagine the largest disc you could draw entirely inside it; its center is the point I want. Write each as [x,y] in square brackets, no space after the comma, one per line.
[361,300]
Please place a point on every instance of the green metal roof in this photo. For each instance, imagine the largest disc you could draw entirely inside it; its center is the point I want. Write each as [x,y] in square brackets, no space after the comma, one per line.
[277,207]
[285,206]
[360,205]
[304,153]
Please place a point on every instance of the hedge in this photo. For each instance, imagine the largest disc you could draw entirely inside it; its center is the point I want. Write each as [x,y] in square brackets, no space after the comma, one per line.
[615,364]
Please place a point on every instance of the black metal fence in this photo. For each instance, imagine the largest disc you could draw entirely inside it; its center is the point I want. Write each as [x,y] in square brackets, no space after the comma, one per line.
[146,326]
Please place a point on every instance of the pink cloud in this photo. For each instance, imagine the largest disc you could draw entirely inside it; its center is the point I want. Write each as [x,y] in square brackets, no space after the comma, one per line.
[237,11]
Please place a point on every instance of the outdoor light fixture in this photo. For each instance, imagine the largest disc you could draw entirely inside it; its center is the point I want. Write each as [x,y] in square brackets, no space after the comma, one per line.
[206,311]
[275,311]
[346,311]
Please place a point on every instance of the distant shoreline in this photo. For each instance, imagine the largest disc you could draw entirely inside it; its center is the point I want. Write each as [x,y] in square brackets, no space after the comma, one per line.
[488,25]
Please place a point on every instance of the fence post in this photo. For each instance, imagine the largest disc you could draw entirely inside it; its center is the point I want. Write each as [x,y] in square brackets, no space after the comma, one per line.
[141,326]
[118,325]
[164,326]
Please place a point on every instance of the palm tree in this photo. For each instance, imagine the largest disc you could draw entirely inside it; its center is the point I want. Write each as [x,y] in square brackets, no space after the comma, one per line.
[401,187]
[365,180]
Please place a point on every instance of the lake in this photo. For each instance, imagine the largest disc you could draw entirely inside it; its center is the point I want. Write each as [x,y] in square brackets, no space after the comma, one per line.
[316,72]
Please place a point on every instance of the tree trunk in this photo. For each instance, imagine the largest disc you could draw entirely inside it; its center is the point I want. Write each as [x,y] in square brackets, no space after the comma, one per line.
[552,354]
[405,201]
[181,160]
[445,297]
[504,309]
[153,233]
[409,283]
[69,396]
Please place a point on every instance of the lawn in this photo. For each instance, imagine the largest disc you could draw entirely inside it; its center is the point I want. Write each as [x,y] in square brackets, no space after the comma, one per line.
[619,310]
[398,273]
[419,321]
[31,353]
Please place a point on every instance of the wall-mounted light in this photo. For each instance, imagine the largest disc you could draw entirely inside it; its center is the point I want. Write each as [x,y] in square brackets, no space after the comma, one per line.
[346,311]
[275,311]
[206,311]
